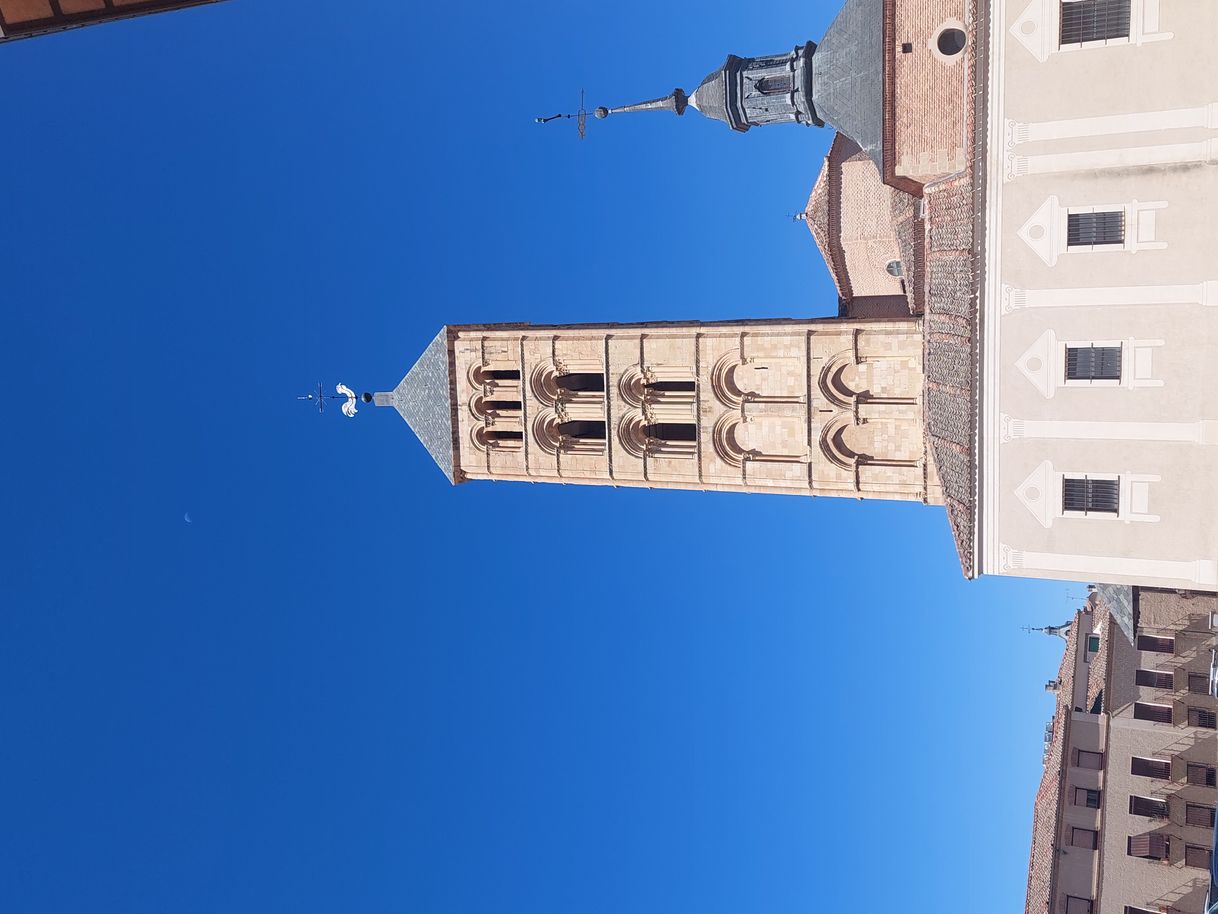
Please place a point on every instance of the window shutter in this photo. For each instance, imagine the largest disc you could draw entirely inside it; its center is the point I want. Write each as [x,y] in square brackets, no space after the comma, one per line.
[1078,905]
[1084,837]
[1148,806]
[1087,229]
[1156,679]
[1199,815]
[1198,683]
[1201,775]
[1091,496]
[1151,768]
[1149,845]
[1085,796]
[1197,856]
[1157,644]
[1158,713]
[1093,363]
[1092,760]
[1094,20]
[1198,717]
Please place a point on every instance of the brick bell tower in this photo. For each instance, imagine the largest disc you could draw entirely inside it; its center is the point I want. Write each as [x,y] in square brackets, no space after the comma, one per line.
[804,407]
[27,18]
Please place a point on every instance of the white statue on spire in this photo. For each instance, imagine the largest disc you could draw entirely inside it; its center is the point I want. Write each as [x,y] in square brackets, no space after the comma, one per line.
[349,409]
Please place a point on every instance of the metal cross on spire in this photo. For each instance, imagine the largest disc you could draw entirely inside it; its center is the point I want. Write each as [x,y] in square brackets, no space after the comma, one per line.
[342,392]
[580,117]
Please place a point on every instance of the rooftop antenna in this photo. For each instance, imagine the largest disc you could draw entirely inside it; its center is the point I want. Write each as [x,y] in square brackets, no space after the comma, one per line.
[580,117]
[341,392]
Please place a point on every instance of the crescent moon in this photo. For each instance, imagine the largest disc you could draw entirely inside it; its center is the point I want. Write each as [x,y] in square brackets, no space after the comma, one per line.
[186,517]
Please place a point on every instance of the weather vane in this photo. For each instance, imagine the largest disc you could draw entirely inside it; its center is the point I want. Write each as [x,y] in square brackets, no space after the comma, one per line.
[342,392]
[580,117]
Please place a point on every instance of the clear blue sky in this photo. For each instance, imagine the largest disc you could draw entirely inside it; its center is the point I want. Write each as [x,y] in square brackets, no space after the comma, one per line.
[349,687]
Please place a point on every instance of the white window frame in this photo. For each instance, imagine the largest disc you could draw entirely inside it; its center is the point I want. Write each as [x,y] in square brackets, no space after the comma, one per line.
[1041,494]
[1044,364]
[1047,231]
[1038,28]
[1141,224]
[1136,368]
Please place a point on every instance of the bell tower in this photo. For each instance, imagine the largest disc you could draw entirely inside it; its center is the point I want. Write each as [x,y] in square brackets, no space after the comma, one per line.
[747,92]
[802,407]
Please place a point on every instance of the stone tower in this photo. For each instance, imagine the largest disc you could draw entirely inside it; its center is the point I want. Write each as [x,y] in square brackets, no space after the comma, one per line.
[808,407]
[27,18]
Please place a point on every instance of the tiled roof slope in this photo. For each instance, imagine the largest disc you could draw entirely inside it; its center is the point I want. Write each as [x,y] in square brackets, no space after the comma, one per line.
[951,288]
[823,215]
[1117,599]
[1046,813]
[816,215]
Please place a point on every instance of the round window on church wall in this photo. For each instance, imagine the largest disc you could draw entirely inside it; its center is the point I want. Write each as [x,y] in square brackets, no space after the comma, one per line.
[951,42]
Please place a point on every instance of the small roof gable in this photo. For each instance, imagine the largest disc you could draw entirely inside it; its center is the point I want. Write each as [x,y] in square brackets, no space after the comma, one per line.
[848,76]
[424,400]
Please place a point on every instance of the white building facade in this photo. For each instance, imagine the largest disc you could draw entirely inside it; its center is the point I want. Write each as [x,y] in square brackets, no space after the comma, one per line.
[1098,451]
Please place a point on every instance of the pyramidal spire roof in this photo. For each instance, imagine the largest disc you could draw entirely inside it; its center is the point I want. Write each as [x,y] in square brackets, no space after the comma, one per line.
[424,400]
[848,75]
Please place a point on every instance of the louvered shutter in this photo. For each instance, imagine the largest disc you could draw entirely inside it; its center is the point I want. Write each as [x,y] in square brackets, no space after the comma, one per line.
[1087,229]
[1148,806]
[1091,496]
[1199,815]
[1094,20]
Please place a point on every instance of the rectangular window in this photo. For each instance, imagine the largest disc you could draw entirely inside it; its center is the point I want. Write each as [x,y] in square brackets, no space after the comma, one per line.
[1152,847]
[1093,644]
[1087,229]
[1085,796]
[1130,909]
[1084,495]
[1085,759]
[1202,775]
[1199,717]
[1156,679]
[1158,713]
[1156,643]
[1197,856]
[1150,807]
[1198,683]
[1199,815]
[1094,20]
[1076,905]
[1084,837]
[1151,768]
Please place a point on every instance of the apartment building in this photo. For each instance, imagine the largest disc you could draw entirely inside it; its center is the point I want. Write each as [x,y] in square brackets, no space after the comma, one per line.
[1124,817]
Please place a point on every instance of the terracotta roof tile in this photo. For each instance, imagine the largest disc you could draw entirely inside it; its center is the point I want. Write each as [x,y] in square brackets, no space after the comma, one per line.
[816,215]
[951,282]
[824,216]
